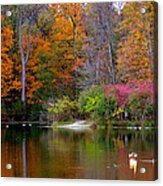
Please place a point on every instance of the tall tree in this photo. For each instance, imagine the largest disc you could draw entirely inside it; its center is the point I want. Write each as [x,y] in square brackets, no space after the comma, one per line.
[136,46]
[28,21]
[66,36]
[100,22]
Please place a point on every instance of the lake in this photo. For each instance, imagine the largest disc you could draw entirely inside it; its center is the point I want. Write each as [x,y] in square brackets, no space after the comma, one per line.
[116,154]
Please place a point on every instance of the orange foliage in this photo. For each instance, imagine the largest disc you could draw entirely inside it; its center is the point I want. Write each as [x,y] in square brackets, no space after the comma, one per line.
[135,53]
[40,48]
[7,63]
[66,38]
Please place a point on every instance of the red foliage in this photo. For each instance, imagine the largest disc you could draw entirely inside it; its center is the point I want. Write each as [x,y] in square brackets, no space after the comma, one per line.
[122,92]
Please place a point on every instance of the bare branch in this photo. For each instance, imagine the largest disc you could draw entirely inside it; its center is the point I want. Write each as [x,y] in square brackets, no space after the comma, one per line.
[21,35]
[29,44]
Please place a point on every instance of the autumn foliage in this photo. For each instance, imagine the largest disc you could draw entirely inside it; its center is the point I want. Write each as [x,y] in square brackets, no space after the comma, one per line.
[123,91]
[7,63]
[65,48]
[136,47]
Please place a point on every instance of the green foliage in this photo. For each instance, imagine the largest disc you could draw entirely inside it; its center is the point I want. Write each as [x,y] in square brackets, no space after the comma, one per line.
[34,111]
[12,108]
[118,112]
[94,103]
[64,109]
[139,106]
[89,98]
[16,110]
[105,108]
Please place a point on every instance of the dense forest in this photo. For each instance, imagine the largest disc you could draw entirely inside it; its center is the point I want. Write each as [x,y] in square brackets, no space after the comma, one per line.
[62,62]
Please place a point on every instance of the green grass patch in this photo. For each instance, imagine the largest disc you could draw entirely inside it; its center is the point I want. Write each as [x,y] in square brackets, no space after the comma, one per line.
[57,123]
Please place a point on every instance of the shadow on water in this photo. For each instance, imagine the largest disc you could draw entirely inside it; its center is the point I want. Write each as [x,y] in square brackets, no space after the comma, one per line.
[90,154]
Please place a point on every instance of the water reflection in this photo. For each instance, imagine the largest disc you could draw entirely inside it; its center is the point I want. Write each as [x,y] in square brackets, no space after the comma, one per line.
[95,154]
[24,157]
[133,161]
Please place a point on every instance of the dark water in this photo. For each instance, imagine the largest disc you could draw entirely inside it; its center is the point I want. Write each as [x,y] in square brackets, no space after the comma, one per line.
[89,154]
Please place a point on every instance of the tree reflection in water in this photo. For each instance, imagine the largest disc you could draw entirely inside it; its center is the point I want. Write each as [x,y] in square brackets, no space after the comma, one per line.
[94,154]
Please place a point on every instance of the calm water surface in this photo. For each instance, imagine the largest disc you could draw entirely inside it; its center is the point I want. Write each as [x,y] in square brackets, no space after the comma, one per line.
[89,154]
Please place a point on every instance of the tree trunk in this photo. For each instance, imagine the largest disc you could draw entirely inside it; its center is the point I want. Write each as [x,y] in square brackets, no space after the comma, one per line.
[111,63]
[22,55]
[23,96]
[97,71]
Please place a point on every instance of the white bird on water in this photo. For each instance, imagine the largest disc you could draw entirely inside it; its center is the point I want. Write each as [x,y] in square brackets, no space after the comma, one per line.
[133,161]
[133,155]
[133,164]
